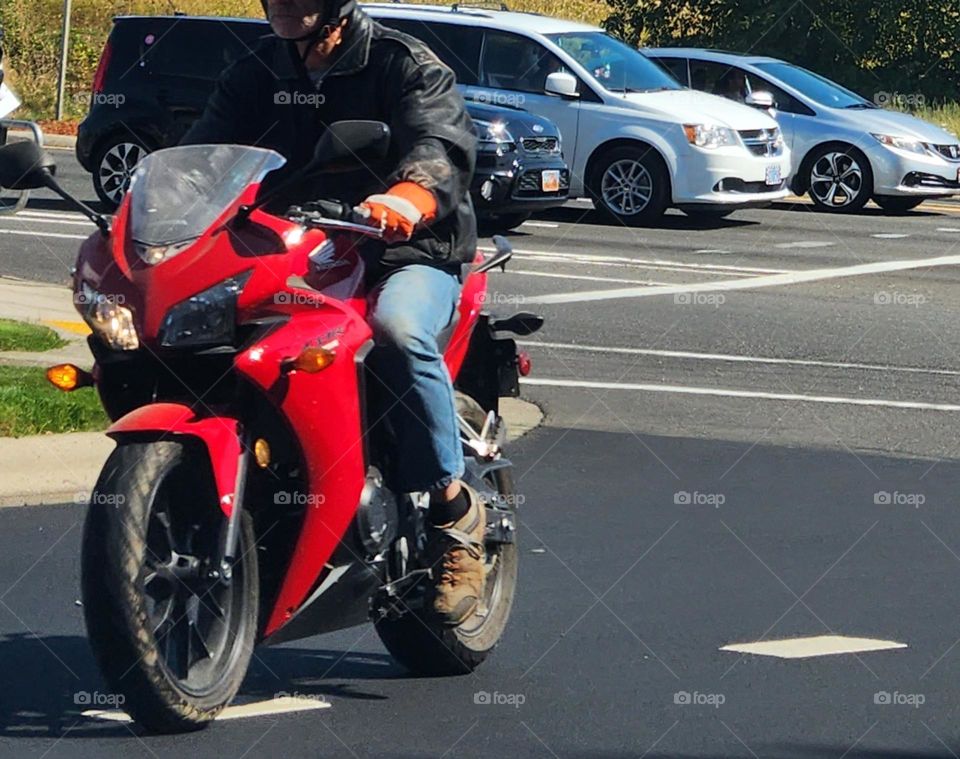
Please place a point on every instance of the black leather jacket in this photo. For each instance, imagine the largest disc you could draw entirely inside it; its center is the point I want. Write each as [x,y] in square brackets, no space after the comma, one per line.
[267,99]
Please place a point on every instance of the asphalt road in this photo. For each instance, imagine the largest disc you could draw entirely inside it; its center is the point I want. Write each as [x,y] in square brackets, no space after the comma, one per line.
[723,462]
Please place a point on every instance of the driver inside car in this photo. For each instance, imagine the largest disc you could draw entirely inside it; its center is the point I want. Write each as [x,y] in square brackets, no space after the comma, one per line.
[327,61]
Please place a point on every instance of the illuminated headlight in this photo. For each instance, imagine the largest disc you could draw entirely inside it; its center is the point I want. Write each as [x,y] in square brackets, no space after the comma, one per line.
[709,136]
[493,136]
[901,143]
[777,139]
[154,254]
[207,318]
[109,319]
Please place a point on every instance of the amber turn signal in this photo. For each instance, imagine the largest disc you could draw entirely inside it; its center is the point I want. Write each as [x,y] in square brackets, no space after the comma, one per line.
[311,360]
[68,377]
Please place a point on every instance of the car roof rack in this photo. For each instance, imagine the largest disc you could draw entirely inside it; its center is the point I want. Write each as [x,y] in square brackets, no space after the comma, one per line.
[498,4]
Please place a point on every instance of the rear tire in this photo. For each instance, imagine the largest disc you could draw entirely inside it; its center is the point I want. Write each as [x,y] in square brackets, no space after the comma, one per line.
[897,204]
[426,647]
[114,161]
[129,580]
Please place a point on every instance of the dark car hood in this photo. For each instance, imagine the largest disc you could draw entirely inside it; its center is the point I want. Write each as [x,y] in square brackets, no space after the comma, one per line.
[519,123]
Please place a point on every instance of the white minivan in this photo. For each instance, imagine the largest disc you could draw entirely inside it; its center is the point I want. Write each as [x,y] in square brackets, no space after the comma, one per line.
[636,140]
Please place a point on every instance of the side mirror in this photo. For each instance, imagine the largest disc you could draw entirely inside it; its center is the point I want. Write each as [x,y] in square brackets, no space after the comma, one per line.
[25,166]
[350,145]
[760,99]
[561,83]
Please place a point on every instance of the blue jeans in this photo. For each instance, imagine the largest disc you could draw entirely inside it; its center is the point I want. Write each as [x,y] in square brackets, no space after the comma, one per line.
[409,309]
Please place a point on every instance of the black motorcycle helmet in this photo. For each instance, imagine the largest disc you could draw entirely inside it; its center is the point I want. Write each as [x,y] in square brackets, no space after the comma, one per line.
[332,12]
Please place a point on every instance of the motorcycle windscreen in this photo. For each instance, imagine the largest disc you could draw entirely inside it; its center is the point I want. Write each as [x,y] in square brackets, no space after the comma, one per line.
[178,193]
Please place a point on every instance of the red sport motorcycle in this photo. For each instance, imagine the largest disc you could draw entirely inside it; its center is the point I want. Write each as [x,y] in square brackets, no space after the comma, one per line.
[248,498]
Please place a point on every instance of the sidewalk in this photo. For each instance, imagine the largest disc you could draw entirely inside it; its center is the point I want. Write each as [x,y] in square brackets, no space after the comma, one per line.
[51,305]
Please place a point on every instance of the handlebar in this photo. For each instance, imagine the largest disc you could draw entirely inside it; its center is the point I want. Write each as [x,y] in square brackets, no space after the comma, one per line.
[335,215]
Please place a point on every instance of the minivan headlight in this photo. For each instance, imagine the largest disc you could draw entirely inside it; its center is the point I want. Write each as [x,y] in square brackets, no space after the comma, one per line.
[709,135]
[901,143]
[493,136]
[207,318]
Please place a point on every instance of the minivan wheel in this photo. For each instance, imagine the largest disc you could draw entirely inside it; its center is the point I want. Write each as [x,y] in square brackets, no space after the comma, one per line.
[113,165]
[631,185]
[839,179]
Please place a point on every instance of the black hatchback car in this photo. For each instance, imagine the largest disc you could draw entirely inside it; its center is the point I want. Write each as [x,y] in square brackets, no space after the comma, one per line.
[157,72]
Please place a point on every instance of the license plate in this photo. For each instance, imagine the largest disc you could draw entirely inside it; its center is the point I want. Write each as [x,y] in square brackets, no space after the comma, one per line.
[773,174]
[550,180]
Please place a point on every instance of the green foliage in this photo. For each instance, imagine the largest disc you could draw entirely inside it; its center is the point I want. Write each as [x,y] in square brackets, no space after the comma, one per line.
[29,405]
[20,336]
[894,46]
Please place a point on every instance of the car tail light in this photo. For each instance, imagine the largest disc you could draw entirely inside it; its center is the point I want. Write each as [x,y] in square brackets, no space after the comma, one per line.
[102,66]
[524,364]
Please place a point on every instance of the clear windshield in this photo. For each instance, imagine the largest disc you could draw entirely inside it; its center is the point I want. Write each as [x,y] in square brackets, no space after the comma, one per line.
[177,193]
[814,86]
[613,64]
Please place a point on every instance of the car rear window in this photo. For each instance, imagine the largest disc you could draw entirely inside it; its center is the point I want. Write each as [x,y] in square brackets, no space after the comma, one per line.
[198,49]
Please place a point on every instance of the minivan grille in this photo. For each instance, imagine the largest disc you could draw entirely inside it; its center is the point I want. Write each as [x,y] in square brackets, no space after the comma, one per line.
[540,144]
[762,142]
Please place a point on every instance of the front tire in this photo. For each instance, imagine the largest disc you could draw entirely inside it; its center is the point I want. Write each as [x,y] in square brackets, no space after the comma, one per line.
[171,639]
[897,204]
[631,184]
[426,646]
[839,179]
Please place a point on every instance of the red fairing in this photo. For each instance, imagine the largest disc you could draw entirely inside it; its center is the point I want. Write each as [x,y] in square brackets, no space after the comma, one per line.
[471,303]
[218,434]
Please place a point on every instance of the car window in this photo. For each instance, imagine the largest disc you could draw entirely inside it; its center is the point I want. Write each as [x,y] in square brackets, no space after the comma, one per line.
[719,79]
[783,100]
[198,50]
[676,67]
[613,64]
[817,88]
[512,62]
[457,46]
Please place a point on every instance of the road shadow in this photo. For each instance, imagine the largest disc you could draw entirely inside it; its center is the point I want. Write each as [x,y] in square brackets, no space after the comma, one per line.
[47,682]
[868,212]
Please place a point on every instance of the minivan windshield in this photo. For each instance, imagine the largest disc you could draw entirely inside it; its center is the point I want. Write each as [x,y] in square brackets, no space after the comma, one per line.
[614,65]
[177,193]
[814,86]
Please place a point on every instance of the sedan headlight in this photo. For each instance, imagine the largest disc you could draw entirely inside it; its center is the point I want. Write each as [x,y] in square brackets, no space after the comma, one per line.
[901,143]
[493,136]
[207,318]
[109,319]
[709,136]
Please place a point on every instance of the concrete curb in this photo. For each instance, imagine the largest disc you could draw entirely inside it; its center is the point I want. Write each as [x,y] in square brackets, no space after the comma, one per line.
[67,141]
[52,469]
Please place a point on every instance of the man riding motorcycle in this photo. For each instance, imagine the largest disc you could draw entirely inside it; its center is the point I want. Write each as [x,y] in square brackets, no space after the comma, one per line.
[328,61]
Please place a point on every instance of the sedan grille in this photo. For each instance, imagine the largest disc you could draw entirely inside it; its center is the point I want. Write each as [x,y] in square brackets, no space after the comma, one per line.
[541,144]
[950,152]
[762,142]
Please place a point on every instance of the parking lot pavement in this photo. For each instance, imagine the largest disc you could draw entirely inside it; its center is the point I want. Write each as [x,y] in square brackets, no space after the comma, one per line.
[720,466]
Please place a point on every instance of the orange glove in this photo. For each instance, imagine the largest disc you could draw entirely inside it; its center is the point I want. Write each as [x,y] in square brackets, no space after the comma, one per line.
[400,209]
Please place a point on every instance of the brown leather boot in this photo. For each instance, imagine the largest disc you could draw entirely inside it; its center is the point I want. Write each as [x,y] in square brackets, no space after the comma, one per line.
[456,555]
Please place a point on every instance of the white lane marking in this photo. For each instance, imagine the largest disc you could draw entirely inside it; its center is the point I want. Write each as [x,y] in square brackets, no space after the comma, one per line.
[51,214]
[889,236]
[590,258]
[739,359]
[45,220]
[805,244]
[717,251]
[281,705]
[954,230]
[751,283]
[649,283]
[817,645]
[723,392]
[542,224]
[28,233]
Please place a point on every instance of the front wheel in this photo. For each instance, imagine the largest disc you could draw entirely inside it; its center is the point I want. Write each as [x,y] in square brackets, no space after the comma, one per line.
[170,634]
[840,179]
[425,646]
[631,185]
[897,204]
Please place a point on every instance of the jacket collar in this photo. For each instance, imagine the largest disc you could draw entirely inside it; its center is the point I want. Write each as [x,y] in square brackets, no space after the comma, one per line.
[352,54]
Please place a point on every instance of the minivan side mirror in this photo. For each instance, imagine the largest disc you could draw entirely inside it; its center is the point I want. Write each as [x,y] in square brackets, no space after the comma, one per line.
[350,145]
[761,99]
[25,166]
[561,83]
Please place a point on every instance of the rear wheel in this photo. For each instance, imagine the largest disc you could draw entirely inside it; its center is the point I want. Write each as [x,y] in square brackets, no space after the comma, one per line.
[425,646]
[114,162]
[897,204]
[169,633]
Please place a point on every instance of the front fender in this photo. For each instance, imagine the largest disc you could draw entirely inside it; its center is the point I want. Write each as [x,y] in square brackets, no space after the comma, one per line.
[219,434]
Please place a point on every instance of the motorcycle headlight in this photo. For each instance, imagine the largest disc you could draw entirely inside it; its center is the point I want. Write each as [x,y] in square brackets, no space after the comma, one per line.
[901,143]
[109,319]
[493,136]
[207,318]
[709,135]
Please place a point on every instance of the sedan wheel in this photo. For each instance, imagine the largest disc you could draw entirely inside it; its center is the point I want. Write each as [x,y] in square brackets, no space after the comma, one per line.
[839,181]
[115,165]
